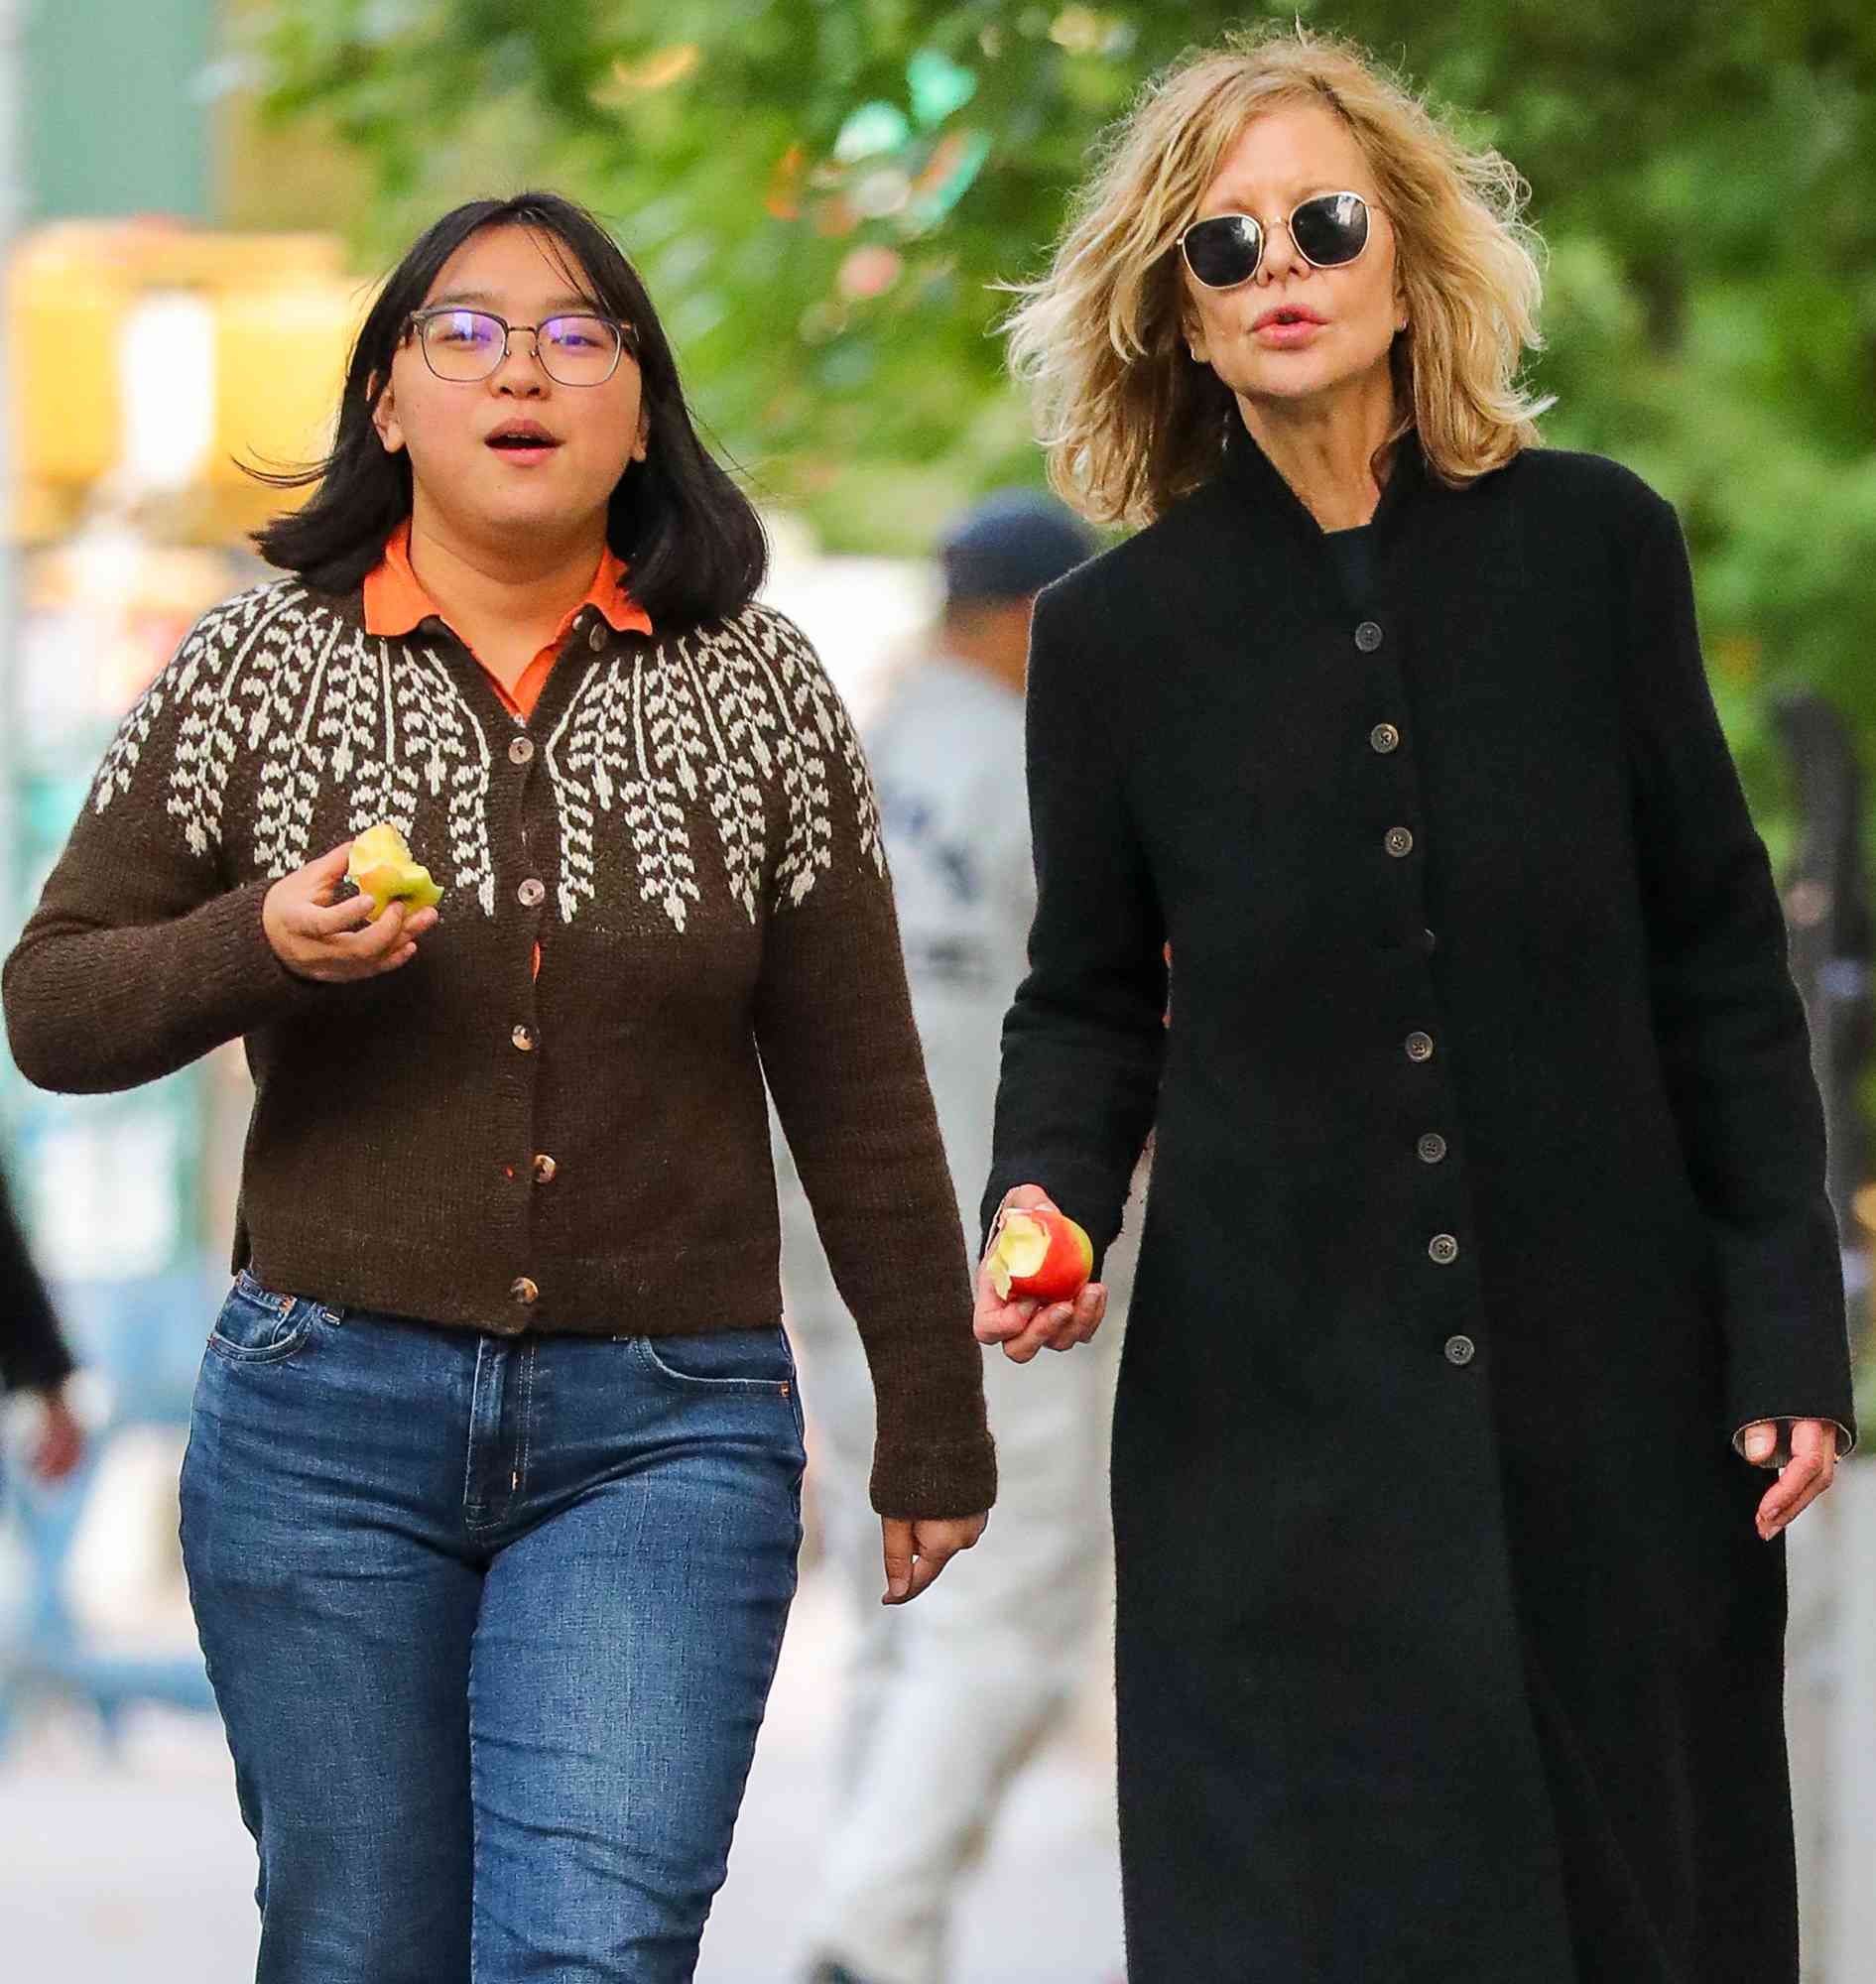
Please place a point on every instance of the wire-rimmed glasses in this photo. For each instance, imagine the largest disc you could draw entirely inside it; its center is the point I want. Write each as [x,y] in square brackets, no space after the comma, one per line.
[465,347]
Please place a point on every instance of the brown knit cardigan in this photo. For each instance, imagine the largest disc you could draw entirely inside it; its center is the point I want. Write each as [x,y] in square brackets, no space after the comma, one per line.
[687,828]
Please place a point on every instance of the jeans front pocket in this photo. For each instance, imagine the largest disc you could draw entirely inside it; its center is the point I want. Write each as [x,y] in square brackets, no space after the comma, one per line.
[722,1360]
[256,1325]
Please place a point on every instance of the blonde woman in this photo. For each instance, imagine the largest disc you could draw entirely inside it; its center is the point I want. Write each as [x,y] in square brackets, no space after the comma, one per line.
[1488,1248]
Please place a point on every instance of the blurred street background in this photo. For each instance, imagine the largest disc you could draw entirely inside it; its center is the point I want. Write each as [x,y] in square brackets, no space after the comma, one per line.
[195,197]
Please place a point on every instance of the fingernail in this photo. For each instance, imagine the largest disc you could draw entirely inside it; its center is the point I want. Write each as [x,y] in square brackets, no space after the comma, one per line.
[898,1588]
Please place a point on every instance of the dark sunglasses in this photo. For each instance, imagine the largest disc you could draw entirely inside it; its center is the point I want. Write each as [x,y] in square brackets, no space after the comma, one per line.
[1328,231]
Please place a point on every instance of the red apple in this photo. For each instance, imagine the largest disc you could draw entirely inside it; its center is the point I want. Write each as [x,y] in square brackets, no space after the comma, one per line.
[1042,1253]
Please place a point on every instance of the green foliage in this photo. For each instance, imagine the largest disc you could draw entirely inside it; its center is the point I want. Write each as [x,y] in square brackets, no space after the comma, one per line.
[824,196]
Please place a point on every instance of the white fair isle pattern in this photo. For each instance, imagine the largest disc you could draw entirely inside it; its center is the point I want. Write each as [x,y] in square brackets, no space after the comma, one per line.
[718,714]
[717,717]
[278,675]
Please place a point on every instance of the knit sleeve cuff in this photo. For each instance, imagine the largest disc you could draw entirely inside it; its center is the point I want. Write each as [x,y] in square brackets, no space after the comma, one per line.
[917,1480]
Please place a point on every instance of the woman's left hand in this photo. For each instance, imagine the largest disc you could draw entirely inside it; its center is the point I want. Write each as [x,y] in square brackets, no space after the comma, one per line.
[917,1549]
[1811,1468]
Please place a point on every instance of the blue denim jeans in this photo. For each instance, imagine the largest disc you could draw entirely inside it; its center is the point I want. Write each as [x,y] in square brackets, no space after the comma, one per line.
[491,1623]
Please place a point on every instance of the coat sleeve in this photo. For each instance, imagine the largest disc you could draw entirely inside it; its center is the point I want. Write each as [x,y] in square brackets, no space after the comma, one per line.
[1728,1021]
[1083,1041]
[33,1354]
[139,959]
[840,1051]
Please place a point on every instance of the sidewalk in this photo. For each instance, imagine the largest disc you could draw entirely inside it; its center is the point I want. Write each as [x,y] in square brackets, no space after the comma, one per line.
[138,1871]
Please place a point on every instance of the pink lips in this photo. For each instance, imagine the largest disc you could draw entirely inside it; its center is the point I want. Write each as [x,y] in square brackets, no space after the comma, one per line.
[1286,324]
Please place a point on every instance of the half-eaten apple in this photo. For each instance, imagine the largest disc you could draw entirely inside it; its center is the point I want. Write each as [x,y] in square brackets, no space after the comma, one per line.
[382,867]
[1039,1253]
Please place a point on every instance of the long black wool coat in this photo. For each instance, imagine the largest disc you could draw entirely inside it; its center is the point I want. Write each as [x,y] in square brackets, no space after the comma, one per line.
[1487,1207]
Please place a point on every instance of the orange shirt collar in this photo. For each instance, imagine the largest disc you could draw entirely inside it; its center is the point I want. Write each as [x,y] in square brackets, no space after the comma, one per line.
[394,599]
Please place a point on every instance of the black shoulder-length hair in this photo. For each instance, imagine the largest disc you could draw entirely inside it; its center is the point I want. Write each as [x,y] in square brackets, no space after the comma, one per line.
[693,541]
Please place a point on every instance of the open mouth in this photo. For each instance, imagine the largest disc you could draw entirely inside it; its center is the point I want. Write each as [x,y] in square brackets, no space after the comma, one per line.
[523,440]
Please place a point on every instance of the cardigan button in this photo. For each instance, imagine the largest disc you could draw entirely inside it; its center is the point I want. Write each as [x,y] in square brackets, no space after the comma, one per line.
[1367,637]
[1460,1350]
[1432,1147]
[1385,738]
[1442,1249]
[1419,1046]
[532,893]
[544,1168]
[520,750]
[524,1292]
[523,1038]
[1400,842]
[596,638]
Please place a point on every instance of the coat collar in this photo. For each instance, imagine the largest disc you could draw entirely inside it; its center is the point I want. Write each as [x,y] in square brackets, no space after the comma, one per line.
[1257,482]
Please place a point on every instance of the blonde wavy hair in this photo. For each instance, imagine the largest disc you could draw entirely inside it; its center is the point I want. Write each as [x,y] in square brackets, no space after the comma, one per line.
[1130,419]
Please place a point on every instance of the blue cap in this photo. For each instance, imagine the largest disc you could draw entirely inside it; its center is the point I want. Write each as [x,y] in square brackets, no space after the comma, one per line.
[1010,545]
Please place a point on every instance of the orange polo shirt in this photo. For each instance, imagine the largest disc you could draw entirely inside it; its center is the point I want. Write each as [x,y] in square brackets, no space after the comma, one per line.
[395,602]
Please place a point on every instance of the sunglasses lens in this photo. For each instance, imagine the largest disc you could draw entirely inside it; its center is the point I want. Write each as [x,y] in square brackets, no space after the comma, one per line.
[1330,229]
[1224,252]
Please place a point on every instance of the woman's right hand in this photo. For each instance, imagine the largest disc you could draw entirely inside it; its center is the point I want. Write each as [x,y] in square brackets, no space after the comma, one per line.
[1025,1326]
[319,935]
[59,1445]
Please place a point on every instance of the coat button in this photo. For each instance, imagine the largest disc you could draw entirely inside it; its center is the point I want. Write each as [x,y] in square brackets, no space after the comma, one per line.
[523,1038]
[1433,1148]
[524,1292]
[1419,1047]
[520,750]
[1367,637]
[1385,738]
[1400,842]
[1428,941]
[1460,1350]
[596,639]
[1444,1248]
[544,1168]
[532,893]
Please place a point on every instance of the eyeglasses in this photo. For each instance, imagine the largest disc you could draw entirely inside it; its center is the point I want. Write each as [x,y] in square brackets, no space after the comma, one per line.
[1328,231]
[467,345]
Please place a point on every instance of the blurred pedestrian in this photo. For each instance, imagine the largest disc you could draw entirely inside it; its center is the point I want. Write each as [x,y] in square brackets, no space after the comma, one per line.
[1488,1242]
[942,1706]
[34,1358]
[492,1502]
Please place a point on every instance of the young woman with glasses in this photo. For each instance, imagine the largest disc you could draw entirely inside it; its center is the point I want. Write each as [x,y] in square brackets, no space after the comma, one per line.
[1488,1249]
[491,1503]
